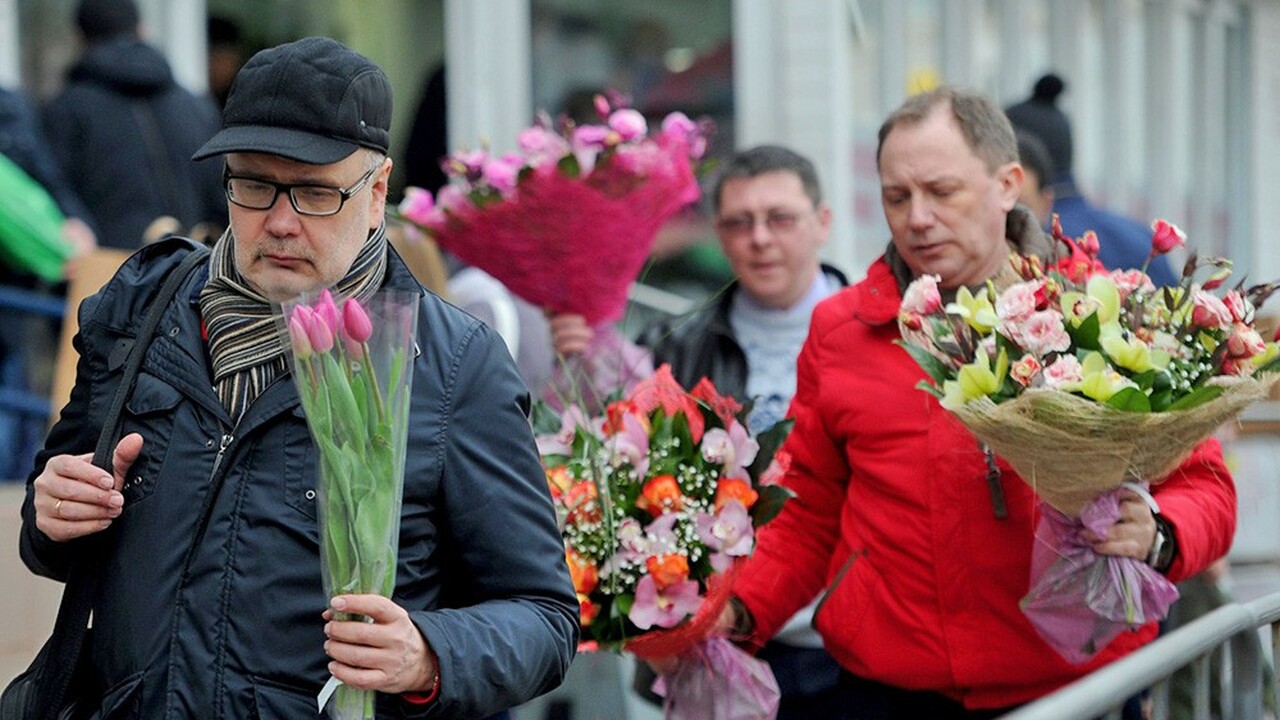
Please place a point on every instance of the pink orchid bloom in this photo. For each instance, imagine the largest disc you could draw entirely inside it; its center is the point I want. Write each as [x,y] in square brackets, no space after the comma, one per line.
[418,206]
[1165,237]
[664,608]
[734,449]
[728,532]
[561,442]
[451,197]
[601,104]
[628,123]
[503,173]
[541,145]
[631,442]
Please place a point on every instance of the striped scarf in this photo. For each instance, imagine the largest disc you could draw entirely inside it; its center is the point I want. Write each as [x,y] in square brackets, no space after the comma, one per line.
[244,342]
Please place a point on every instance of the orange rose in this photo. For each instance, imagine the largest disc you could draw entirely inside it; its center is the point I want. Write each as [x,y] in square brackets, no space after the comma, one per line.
[661,494]
[587,610]
[581,501]
[559,480]
[734,489]
[583,572]
[668,569]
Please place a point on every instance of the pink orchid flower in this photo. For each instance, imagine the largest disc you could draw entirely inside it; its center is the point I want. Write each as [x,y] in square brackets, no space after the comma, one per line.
[728,533]
[561,441]
[734,449]
[418,206]
[632,443]
[628,123]
[663,608]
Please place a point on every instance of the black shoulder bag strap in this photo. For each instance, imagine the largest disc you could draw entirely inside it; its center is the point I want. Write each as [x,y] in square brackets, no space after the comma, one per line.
[69,630]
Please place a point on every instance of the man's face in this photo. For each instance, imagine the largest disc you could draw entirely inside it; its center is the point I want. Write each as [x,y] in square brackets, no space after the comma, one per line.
[771,232]
[946,210]
[282,253]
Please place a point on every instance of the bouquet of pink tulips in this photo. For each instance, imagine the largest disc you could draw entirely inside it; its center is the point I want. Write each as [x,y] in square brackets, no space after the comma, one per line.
[352,365]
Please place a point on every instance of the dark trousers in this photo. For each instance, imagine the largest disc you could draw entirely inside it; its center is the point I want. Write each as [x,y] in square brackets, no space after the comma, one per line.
[862,699]
[808,679]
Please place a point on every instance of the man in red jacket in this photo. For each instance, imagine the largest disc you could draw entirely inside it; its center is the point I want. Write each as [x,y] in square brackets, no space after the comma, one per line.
[896,514]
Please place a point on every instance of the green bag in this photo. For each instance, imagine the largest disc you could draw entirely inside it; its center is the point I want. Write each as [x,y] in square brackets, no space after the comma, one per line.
[30,225]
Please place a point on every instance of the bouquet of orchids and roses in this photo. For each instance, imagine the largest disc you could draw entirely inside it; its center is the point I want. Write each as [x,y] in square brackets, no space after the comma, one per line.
[657,501]
[1086,380]
[580,203]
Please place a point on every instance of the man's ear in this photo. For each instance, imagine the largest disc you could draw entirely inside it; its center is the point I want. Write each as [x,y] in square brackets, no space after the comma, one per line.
[1010,177]
[378,193]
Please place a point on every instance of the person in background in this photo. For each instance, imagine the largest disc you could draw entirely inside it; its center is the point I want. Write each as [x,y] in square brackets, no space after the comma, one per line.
[211,603]
[226,55]
[894,518]
[771,222]
[1037,187]
[123,132]
[1125,243]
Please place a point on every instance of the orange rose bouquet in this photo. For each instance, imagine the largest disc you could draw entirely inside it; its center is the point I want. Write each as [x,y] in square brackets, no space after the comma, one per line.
[657,501]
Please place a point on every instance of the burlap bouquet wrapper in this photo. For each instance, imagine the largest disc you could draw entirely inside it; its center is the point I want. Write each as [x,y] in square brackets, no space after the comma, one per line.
[1070,449]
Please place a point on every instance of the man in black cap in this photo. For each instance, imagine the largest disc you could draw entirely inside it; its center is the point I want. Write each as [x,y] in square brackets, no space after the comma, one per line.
[1124,243]
[123,131]
[211,599]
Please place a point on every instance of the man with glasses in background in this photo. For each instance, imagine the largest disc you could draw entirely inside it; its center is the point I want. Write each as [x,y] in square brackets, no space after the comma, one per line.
[771,222]
[210,602]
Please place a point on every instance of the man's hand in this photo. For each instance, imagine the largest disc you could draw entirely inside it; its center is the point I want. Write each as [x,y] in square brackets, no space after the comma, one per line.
[388,654]
[1132,535]
[570,334]
[74,498]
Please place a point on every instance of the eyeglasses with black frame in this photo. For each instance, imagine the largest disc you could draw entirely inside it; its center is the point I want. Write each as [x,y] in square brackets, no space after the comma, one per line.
[312,200]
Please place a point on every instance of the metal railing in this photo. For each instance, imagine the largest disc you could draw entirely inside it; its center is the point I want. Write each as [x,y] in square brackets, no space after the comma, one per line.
[1229,633]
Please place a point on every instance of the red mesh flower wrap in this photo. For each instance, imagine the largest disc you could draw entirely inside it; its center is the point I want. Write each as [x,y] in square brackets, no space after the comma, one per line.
[568,221]
[574,244]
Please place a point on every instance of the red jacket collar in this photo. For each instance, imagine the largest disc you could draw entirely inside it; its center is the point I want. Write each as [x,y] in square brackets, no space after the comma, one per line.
[877,297]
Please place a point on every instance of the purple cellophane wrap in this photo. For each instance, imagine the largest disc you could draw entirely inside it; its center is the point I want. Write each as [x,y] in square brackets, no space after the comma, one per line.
[1080,600]
[716,680]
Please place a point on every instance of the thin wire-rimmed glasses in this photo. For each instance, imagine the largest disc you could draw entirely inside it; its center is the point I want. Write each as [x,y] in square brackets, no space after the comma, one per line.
[777,221]
[312,200]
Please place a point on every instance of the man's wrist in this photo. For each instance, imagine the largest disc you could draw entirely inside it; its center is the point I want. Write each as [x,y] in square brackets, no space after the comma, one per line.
[744,624]
[419,698]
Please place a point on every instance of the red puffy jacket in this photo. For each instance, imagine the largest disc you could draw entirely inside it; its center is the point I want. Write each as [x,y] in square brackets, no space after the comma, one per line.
[895,518]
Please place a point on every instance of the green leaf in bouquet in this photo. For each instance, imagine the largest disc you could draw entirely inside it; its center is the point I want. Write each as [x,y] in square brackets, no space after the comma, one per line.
[1130,399]
[569,166]
[769,503]
[1085,335]
[930,388]
[1161,400]
[769,441]
[1146,379]
[1197,397]
[544,419]
[932,366]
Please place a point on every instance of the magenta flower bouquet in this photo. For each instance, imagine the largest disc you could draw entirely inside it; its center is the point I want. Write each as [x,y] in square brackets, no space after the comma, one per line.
[567,222]
[352,364]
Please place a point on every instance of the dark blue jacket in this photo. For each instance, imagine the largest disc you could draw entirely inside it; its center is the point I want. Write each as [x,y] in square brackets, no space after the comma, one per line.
[124,132]
[211,599]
